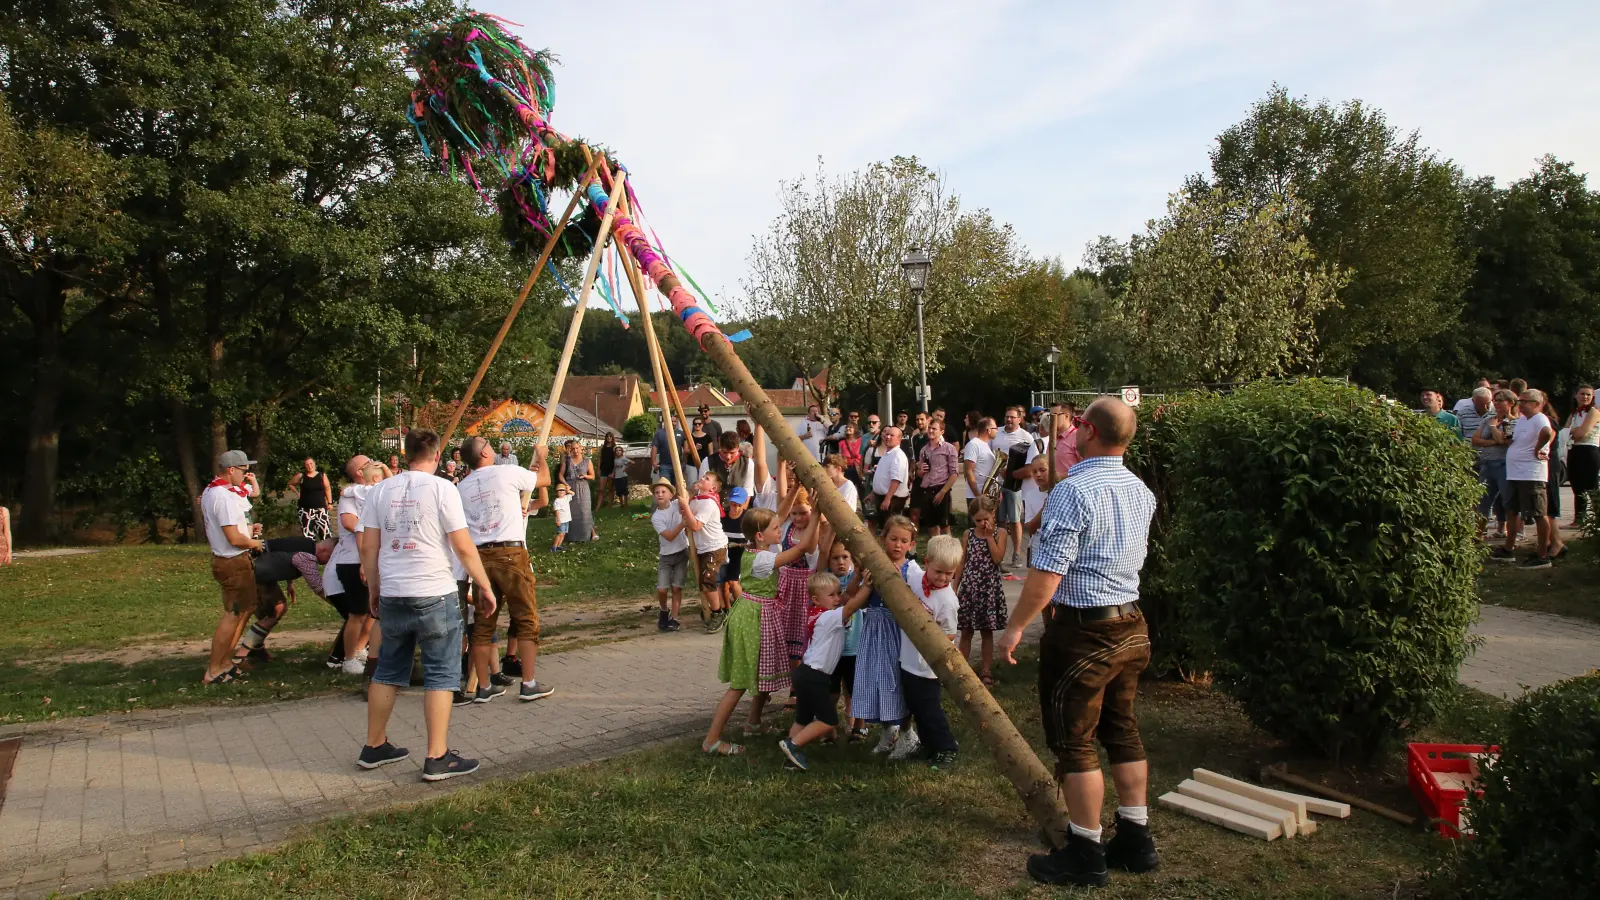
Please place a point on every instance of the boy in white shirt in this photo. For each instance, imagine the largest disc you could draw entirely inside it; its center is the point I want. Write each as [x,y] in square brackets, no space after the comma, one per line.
[562,504]
[703,516]
[919,686]
[673,562]
[1035,491]
[815,711]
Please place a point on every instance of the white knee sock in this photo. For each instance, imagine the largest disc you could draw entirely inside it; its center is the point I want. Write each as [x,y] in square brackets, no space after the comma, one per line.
[1138,815]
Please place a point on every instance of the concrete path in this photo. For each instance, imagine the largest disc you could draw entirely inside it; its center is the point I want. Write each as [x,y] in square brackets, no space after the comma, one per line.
[1524,650]
[109,799]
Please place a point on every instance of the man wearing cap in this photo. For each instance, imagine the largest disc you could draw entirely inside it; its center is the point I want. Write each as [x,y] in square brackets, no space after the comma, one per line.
[225,509]
[491,497]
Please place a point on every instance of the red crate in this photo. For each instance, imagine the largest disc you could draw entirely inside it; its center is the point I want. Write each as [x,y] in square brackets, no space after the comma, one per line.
[1441,804]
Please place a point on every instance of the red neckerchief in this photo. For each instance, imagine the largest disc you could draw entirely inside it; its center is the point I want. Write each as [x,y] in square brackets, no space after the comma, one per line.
[926,592]
[222,482]
[712,497]
[812,615]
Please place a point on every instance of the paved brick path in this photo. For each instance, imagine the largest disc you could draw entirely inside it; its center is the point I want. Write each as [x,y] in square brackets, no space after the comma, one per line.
[109,799]
[1524,650]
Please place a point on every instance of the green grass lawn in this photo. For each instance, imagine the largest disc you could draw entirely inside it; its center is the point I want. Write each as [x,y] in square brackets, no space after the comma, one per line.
[674,823]
[1568,588]
[621,564]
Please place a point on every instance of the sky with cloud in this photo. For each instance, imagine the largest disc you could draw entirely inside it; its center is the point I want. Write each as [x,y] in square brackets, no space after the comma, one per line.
[1066,119]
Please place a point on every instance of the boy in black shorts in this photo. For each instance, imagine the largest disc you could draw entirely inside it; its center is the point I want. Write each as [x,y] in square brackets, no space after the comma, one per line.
[815,714]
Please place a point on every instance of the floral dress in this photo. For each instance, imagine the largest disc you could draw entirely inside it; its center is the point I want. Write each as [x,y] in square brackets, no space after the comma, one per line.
[983,601]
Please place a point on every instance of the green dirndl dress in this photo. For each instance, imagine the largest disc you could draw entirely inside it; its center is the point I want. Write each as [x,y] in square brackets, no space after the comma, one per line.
[741,636]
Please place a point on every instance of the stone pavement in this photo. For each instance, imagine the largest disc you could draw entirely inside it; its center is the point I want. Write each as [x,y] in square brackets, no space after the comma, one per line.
[1523,650]
[109,799]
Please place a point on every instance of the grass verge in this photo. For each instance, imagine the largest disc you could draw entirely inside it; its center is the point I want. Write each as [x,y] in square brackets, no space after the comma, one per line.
[674,823]
[1565,589]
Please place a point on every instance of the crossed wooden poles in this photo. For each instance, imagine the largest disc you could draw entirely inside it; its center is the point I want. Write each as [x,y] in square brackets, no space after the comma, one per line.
[1015,757]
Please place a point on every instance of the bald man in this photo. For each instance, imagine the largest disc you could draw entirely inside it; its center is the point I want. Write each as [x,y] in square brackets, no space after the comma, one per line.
[1085,565]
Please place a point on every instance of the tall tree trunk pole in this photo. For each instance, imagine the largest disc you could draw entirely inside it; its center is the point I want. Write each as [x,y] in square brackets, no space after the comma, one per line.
[511,317]
[577,314]
[1016,758]
[658,363]
[671,389]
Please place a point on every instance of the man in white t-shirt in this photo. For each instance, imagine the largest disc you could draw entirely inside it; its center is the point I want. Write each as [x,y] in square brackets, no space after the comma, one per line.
[407,523]
[1527,476]
[225,509]
[813,432]
[977,458]
[1011,446]
[891,481]
[491,498]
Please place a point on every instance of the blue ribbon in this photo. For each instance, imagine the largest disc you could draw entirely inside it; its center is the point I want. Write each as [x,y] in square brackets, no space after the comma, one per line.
[744,335]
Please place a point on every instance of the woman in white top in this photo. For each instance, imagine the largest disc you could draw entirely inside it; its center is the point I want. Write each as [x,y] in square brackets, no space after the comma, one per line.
[1583,456]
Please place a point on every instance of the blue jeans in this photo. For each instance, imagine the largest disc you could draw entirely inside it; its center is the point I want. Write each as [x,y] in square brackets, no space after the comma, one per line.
[1493,474]
[434,623]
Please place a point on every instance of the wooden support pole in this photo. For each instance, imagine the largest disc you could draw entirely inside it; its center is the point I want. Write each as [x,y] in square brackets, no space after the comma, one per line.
[1011,750]
[671,389]
[511,317]
[577,316]
[658,364]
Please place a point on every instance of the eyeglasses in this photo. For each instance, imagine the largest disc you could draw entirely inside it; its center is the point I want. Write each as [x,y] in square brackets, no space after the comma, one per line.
[1079,421]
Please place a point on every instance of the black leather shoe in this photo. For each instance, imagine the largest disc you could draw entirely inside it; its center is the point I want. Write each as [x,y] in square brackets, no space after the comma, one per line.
[1081,862]
[1131,848]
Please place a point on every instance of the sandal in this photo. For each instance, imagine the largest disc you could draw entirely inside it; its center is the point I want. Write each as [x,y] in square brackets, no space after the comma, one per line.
[859,734]
[756,730]
[227,677]
[987,679]
[722,748]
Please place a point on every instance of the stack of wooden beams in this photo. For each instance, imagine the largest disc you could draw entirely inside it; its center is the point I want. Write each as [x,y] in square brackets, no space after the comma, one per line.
[1248,808]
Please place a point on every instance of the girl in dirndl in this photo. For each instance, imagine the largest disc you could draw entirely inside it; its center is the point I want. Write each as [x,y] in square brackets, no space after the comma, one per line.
[754,655]
[794,600]
[877,695]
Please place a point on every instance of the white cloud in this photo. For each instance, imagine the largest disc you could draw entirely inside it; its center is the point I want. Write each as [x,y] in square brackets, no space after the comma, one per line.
[1066,119]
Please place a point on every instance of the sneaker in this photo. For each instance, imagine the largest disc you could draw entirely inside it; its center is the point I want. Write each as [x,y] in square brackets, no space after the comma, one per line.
[381,755]
[662,620]
[793,754]
[502,679]
[536,691]
[1081,862]
[259,654]
[944,759]
[673,624]
[460,698]
[485,694]
[718,619]
[1535,562]
[335,660]
[1501,554]
[1131,848]
[356,667]
[449,765]
[886,740]
[907,746]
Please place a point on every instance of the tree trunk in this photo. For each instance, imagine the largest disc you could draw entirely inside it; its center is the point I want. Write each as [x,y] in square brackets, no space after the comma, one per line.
[37,523]
[178,407]
[1011,750]
[214,349]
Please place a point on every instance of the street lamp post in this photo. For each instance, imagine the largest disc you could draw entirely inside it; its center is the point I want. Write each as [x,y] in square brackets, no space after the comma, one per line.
[1052,356]
[915,265]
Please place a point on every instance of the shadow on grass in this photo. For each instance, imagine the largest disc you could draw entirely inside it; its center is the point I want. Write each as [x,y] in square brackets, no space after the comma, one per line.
[35,691]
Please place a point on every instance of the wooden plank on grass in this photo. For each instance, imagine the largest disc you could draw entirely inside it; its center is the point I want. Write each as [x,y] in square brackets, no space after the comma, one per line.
[1229,800]
[1317,804]
[1219,815]
[1253,791]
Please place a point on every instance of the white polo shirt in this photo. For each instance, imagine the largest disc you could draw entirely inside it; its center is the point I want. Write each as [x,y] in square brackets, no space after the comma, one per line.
[892,466]
[220,507]
[413,513]
[943,604]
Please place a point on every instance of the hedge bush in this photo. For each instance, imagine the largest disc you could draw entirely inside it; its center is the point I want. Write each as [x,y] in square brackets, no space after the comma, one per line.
[1537,825]
[1163,427]
[1327,545]
[640,428]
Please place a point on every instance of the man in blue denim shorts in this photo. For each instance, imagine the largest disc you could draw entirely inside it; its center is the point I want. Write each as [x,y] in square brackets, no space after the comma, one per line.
[407,523]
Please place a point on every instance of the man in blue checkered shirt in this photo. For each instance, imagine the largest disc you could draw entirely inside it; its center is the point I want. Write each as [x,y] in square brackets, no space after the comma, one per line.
[1085,567]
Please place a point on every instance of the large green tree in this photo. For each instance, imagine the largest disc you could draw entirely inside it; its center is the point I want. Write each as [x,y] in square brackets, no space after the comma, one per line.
[829,267]
[1214,293]
[1378,204]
